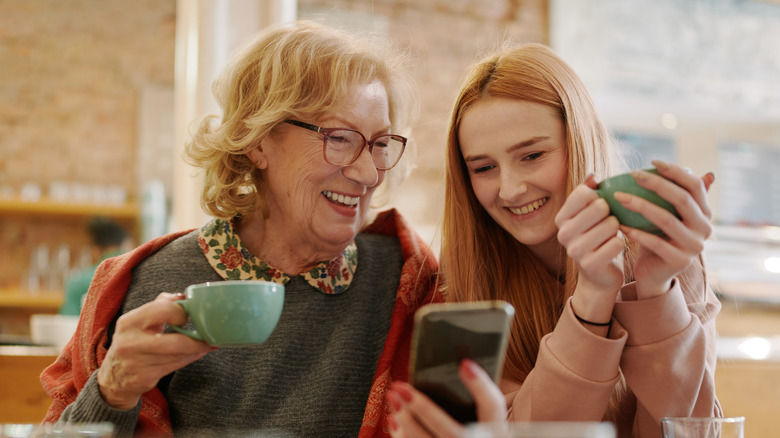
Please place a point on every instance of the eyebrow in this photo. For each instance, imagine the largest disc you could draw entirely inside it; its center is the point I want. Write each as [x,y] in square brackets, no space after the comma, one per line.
[346,124]
[523,144]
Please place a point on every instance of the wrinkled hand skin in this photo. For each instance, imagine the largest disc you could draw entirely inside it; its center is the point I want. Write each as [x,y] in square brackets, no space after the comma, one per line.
[141,353]
[112,379]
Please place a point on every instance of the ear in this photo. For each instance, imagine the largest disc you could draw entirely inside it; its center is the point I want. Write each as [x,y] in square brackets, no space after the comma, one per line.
[258,157]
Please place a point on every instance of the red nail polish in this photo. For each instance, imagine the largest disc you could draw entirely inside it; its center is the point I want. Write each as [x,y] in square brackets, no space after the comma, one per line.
[392,423]
[402,390]
[392,398]
[467,365]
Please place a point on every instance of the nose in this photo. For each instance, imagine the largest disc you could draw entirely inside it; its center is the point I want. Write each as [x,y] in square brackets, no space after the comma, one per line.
[512,186]
[363,169]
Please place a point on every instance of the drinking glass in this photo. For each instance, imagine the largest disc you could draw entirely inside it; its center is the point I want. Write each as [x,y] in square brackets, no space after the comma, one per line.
[557,429]
[38,268]
[707,427]
[74,430]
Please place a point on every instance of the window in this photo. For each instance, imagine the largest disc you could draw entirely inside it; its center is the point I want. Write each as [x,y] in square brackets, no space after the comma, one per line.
[749,178]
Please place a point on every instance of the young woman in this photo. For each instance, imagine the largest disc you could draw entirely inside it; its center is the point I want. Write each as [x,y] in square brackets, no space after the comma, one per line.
[612,323]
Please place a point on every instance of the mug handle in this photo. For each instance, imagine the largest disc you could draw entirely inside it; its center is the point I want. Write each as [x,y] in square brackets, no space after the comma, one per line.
[191,333]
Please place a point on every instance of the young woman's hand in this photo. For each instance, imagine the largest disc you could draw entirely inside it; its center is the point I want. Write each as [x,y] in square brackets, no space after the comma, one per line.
[140,354]
[413,414]
[590,235]
[662,257]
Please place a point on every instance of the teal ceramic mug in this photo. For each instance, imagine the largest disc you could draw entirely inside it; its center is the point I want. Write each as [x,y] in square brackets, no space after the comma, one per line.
[626,183]
[232,313]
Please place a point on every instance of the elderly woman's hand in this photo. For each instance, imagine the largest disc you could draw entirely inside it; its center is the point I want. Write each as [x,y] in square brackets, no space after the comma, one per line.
[663,257]
[140,354]
[415,415]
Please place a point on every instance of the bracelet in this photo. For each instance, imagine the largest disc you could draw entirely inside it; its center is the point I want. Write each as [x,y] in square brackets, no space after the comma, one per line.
[598,324]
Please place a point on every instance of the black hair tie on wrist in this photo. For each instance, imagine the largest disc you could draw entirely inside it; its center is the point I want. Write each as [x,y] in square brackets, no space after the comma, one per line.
[598,324]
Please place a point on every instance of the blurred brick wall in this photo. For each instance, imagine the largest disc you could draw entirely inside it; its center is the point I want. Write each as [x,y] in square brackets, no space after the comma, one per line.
[71,78]
[70,83]
[444,38]
[73,73]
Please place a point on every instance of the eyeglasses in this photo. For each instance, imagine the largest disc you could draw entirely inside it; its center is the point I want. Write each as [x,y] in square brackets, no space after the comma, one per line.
[342,146]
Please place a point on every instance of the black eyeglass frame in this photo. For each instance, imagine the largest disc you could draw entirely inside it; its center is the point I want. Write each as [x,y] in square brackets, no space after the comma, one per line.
[370,143]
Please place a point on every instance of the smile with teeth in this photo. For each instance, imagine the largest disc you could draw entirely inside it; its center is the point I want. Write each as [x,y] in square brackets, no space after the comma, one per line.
[529,207]
[349,201]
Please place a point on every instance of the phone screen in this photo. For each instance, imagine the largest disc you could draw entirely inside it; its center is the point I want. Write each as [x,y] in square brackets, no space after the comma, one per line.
[444,335]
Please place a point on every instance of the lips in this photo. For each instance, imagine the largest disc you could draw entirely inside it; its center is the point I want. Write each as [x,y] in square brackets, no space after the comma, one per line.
[528,208]
[341,199]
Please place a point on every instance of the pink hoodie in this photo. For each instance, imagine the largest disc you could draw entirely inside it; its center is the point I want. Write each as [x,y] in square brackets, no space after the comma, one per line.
[664,347]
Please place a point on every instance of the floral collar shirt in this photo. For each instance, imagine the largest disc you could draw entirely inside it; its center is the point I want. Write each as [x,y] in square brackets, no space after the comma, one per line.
[221,245]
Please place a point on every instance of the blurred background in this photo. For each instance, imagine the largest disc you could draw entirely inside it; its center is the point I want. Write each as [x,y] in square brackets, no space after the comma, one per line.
[97,96]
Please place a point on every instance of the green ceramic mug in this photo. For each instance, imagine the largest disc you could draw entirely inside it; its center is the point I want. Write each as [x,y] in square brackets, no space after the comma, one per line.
[626,183]
[232,313]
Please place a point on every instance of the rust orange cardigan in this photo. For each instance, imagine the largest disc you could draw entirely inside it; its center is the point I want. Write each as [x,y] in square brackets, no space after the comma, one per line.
[87,348]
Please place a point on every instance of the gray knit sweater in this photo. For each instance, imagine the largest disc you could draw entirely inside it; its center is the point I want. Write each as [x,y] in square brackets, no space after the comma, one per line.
[310,379]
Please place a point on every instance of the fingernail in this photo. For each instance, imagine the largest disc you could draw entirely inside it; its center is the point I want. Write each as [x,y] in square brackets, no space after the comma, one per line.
[392,397]
[623,198]
[660,165]
[711,175]
[639,175]
[467,365]
[401,389]
[392,423]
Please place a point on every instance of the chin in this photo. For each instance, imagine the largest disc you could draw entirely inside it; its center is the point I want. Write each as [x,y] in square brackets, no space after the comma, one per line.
[530,238]
[341,237]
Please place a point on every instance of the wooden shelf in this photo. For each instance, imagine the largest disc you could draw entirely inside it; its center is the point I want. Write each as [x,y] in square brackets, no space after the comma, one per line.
[46,206]
[18,298]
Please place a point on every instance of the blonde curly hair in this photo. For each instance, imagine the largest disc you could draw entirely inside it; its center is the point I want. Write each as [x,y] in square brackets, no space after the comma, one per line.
[298,72]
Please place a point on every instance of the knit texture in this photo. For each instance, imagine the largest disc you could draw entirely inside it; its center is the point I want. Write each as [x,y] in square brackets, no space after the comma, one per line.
[293,385]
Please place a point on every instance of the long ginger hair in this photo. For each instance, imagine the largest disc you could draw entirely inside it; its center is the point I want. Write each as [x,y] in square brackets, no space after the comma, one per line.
[480,260]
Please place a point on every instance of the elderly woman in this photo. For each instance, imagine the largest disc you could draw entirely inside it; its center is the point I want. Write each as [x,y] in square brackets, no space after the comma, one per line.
[310,129]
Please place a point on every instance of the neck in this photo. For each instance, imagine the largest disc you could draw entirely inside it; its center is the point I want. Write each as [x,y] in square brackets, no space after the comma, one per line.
[552,256]
[288,254]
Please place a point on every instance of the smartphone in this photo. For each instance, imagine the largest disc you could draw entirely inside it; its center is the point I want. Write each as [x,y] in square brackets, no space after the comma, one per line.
[444,335]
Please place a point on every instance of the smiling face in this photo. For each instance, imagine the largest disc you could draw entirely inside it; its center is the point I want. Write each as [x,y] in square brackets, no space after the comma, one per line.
[314,205]
[515,152]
